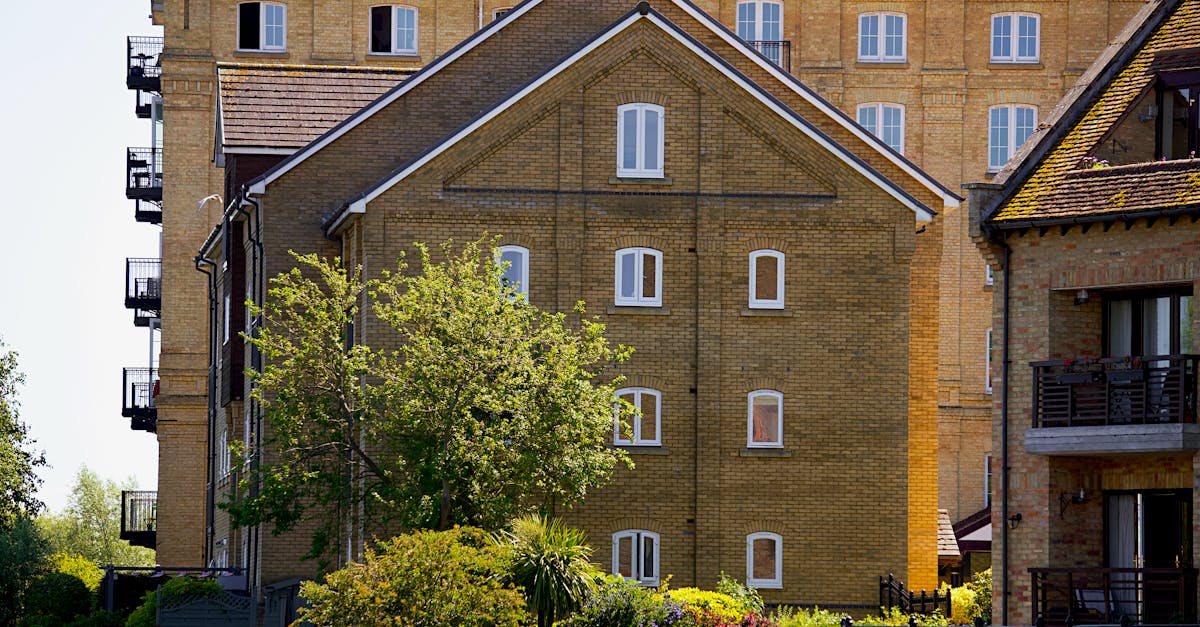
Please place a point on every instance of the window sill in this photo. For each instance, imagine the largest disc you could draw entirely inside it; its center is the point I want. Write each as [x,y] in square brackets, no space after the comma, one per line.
[881,63]
[644,449]
[1015,65]
[640,180]
[637,310]
[765,586]
[266,53]
[765,452]
[755,312]
[406,55]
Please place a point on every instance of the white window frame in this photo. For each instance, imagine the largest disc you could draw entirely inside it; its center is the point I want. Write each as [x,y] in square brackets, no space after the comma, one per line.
[987,479]
[776,303]
[639,395]
[522,286]
[989,276]
[775,582]
[1014,38]
[880,108]
[638,557]
[987,370]
[227,320]
[881,55]
[639,170]
[392,32]
[638,299]
[754,33]
[778,396]
[499,13]
[224,458]
[1010,132]
[262,28]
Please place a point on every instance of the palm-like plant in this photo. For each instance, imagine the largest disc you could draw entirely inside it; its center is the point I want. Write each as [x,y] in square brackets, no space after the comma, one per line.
[549,560]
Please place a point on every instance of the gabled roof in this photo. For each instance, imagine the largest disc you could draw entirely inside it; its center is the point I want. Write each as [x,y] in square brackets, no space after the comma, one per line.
[949,198]
[947,543]
[284,107]
[1044,183]
[643,14]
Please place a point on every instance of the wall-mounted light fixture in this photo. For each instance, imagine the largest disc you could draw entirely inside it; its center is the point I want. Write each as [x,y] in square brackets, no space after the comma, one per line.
[1014,521]
[1082,297]
[1065,499]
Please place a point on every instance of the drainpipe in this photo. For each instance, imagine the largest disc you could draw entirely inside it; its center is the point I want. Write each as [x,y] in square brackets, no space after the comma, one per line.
[256,296]
[1005,467]
[209,515]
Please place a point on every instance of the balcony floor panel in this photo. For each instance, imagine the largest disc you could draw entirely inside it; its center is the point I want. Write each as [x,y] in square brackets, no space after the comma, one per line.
[1113,439]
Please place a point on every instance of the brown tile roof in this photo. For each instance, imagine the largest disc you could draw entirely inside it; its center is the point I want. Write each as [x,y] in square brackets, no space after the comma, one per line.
[947,544]
[1056,188]
[288,106]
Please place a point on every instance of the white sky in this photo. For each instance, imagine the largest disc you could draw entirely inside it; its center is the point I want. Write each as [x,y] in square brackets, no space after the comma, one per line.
[67,229]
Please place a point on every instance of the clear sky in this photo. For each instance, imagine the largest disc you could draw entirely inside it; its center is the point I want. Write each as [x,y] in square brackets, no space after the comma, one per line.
[67,229]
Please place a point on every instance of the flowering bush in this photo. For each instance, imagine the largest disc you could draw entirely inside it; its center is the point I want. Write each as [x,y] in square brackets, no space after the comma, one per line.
[620,603]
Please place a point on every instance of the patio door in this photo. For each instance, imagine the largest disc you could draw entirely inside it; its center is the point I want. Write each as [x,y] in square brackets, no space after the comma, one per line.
[1147,529]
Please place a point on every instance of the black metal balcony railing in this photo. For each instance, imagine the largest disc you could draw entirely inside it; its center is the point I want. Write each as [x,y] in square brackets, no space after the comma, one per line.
[138,392]
[144,168]
[143,62]
[147,211]
[143,104]
[779,52]
[1065,596]
[1095,392]
[139,512]
[143,283]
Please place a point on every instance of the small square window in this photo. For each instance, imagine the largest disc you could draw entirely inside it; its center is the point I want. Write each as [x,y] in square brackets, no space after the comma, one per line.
[764,560]
[1015,37]
[882,37]
[766,279]
[640,141]
[643,428]
[635,556]
[393,30]
[262,26]
[764,426]
[638,277]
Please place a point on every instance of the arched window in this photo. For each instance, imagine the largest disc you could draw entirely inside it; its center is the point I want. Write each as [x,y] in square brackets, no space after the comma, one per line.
[764,419]
[638,279]
[515,260]
[766,279]
[640,140]
[635,556]
[645,428]
[764,560]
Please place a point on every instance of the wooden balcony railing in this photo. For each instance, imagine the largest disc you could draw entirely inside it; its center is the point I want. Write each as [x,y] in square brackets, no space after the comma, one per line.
[1107,595]
[1095,392]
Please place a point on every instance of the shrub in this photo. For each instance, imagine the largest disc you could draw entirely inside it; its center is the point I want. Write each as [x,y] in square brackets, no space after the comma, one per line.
[747,597]
[619,603]
[981,585]
[83,568]
[708,609]
[449,578]
[816,617]
[58,597]
[895,618]
[549,562]
[176,588]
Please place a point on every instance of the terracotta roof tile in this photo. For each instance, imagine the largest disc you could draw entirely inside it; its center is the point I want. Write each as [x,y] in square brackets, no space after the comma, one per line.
[288,106]
[947,544]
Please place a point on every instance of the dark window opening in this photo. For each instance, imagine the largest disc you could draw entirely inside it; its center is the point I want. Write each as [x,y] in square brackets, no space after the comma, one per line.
[249,26]
[381,29]
[1178,119]
[1148,323]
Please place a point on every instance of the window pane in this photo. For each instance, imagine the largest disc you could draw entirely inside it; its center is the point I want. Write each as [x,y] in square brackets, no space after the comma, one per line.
[625,556]
[381,29]
[1025,124]
[406,29]
[650,135]
[772,29]
[1185,324]
[1001,36]
[649,274]
[248,24]
[893,127]
[1026,37]
[627,275]
[764,558]
[648,552]
[766,418]
[1156,326]
[894,40]
[625,433]
[766,276]
[629,137]
[998,137]
[1120,328]
[275,26]
[649,422]
[868,34]
[746,21]
[866,117]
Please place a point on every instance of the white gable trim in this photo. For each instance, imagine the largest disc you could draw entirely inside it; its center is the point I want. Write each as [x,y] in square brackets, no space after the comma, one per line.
[923,214]
[390,97]
[948,199]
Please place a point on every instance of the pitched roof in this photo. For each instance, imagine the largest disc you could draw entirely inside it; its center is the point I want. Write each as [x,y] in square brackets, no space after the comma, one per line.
[288,106]
[1044,182]
[947,543]
[643,14]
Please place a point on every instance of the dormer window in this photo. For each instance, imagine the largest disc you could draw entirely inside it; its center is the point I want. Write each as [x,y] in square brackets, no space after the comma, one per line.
[1177,136]
[262,26]
[640,139]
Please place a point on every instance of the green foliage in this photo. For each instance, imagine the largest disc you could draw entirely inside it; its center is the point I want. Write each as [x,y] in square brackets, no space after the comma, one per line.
[145,615]
[619,603]
[59,597]
[707,608]
[485,408]
[981,585]
[23,553]
[815,617]
[427,579]
[549,561]
[18,481]
[76,565]
[895,618]
[99,619]
[90,526]
[746,596]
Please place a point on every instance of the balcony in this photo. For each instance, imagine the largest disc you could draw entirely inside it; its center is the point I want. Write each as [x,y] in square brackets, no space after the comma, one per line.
[144,179]
[779,52]
[1114,406]
[138,390]
[143,284]
[143,104]
[143,63]
[1106,595]
[139,510]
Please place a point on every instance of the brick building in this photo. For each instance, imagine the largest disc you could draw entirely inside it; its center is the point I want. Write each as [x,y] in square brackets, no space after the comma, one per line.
[1095,239]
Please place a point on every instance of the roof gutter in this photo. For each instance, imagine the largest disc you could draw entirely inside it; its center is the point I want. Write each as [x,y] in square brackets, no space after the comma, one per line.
[992,228]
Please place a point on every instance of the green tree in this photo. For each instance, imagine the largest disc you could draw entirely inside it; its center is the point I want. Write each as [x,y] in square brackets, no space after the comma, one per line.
[18,481]
[90,526]
[549,562]
[484,407]
[426,579]
[23,553]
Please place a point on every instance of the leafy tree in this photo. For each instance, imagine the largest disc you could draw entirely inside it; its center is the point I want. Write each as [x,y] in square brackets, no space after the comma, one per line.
[18,481]
[57,598]
[549,561]
[78,566]
[90,526]
[426,579]
[483,407]
[23,553]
